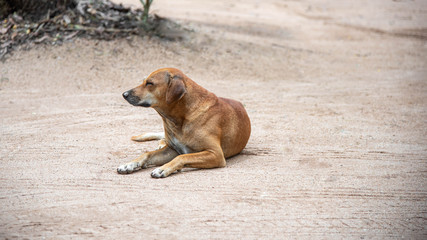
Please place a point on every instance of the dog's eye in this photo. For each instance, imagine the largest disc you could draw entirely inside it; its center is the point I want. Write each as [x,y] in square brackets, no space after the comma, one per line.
[149,84]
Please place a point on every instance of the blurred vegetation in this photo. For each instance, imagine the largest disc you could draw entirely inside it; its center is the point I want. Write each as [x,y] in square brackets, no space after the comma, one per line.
[29,22]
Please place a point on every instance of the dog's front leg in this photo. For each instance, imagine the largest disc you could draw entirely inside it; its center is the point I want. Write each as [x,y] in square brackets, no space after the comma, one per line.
[157,158]
[205,159]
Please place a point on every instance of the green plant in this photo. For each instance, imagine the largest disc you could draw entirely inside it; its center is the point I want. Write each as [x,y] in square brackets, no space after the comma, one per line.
[146,4]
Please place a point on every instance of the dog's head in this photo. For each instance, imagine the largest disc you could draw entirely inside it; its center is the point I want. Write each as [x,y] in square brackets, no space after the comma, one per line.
[161,88]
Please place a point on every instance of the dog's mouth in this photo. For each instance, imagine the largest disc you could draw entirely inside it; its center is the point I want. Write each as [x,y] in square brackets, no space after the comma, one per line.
[144,104]
[135,100]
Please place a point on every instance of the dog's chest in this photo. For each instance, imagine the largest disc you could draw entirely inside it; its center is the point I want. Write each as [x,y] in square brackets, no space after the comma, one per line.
[178,146]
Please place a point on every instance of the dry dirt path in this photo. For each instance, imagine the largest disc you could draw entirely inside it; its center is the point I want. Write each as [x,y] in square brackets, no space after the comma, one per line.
[337,95]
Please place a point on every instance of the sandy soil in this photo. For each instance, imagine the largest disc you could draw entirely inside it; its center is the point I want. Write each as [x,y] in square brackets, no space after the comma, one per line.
[337,95]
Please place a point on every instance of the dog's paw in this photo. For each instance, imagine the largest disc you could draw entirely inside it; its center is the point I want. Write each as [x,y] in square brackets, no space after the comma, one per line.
[127,168]
[162,144]
[160,147]
[159,173]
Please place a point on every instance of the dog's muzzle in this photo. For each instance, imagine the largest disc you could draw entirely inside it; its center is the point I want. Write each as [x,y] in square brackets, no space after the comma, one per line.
[134,100]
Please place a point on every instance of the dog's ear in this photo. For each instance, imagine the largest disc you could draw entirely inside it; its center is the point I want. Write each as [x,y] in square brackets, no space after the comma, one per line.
[176,88]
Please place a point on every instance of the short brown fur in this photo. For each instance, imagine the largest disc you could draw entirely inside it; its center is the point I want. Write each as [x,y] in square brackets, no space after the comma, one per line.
[201,130]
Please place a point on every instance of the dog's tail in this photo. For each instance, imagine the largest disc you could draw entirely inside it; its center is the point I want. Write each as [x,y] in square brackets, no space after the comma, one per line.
[149,137]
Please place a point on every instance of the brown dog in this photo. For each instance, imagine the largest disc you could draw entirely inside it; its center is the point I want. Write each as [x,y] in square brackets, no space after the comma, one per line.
[201,129]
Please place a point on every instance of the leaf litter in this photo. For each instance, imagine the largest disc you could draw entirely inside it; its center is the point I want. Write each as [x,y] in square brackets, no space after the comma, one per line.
[94,19]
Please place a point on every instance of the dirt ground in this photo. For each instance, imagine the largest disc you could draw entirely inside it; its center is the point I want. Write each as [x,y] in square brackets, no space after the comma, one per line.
[336,92]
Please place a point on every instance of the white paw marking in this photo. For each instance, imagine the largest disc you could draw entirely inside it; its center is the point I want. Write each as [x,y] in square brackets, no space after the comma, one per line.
[127,168]
[158,173]
[161,145]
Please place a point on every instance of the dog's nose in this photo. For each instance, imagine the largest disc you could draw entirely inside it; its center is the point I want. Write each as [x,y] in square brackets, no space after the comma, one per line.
[126,94]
